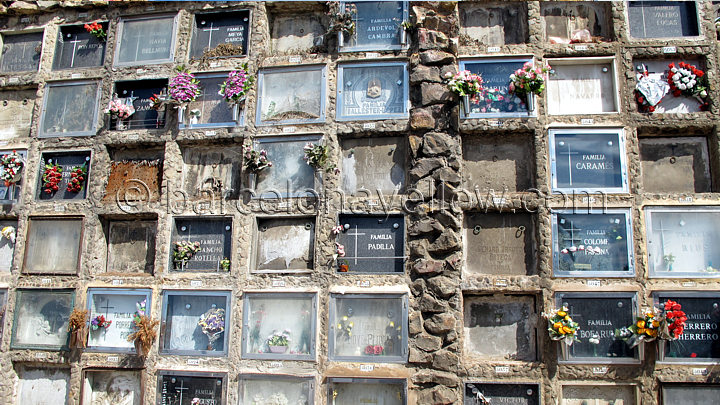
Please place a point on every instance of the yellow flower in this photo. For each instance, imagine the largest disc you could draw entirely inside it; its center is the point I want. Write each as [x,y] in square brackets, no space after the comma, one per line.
[651,332]
[351,324]
[655,324]
[392,324]
[562,313]
[567,330]
[567,318]
[562,331]
[641,331]
[557,325]
[344,318]
[650,315]
[640,324]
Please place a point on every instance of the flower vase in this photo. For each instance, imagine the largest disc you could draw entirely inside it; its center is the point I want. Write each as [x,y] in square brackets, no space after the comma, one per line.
[277,349]
[661,345]
[181,115]
[120,124]
[211,341]
[466,104]
[318,179]
[236,110]
[564,350]
[78,338]
[403,36]
[641,351]
[194,120]
[252,180]
[341,39]
[530,102]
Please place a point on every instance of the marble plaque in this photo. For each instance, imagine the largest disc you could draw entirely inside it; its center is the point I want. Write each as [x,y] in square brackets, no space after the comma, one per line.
[182,312]
[112,387]
[139,93]
[497,163]
[373,244]
[675,165]
[512,394]
[291,95]
[289,175]
[285,244]
[69,163]
[214,236]
[270,389]
[145,40]
[41,318]
[372,91]
[592,243]
[581,88]
[7,246]
[690,394]
[131,246]
[212,170]
[70,109]
[497,99]
[682,243]
[43,385]
[598,394]
[658,70]
[288,314]
[353,391]
[501,327]
[368,328]
[701,337]
[662,19]
[53,245]
[589,161]
[21,52]
[500,243]
[118,307]
[494,24]
[77,48]
[198,388]
[563,21]
[214,29]
[16,113]
[210,110]
[377,25]
[374,164]
[599,316]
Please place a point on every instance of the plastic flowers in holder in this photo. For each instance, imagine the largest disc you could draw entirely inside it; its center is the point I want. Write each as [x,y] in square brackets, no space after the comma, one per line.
[77,179]
[278,342]
[342,20]
[254,160]
[8,233]
[339,251]
[235,88]
[374,350]
[561,327]
[12,165]
[52,175]
[467,85]
[529,79]
[345,327]
[99,322]
[96,30]
[184,88]
[119,109]
[184,251]
[225,264]
[687,80]
[317,156]
[662,323]
[212,324]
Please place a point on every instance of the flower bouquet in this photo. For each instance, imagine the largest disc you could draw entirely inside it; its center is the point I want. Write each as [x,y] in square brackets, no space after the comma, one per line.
[225,264]
[183,89]
[687,80]
[339,251]
[562,328]
[184,251]
[212,324]
[8,233]
[345,327]
[51,177]
[317,156]
[376,350]
[120,111]
[144,329]
[12,165]
[77,179]
[467,85]
[342,20]
[77,326]
[527,81]
[663,323]
[96,30]
[235,88]
[100,322]
[278,342]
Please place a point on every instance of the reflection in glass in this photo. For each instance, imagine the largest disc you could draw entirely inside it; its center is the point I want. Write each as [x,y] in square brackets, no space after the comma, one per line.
[70,109]
[292,96]
[279,326]
[41,318]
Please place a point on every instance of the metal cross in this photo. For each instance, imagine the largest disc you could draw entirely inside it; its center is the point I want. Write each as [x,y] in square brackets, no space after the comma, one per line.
[74,42]
[572,230]
[569,154]
[356,234]
[107,307]
[181,390]
[211,29]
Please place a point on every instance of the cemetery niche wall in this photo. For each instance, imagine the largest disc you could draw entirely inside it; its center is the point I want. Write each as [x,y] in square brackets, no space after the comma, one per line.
[36,384]
[374,164]
[21,52]
[77,48]
[112,312]
[691,394]
[493,24]
[7,244]
[181,388]
[194,322]
[291,95]
[659,19]
[130,246]
[498,163]
[378,26]
[700,341]
[290,176]
[654,86]
[53,245]
[63,176]
[201,244]
[497,100]
[138,93]
[70,109]
[211,170]
[41,319]
[16,113]
[482,392]
[500,243]
[210,110]
[285,244]
[577,21]
[220,34]
[299,29]
[281,389]
[145,40]
[373,244]
[346,391]
[372,91]
[582,86]
[598,394]
[12,171]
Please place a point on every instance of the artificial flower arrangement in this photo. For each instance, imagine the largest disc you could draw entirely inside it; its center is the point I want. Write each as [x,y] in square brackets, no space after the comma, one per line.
[339,251]
[144,329]
[664,322]
[77,326]
[254,160]
[225,264]
[344,266]
[8,233]
[317,156]
[12,165]
[184,251]
[342,21]
[561,327]
[465,84]
[529,80]
[212,324]
[100,322]
[183,88]
[235,88]
[683,79]
[96,30]
[345,327]
[51,177]
[119,109]
[278,342]
[77,179]
[374,350]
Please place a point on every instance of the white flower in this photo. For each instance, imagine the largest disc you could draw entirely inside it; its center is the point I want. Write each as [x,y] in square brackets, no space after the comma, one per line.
[681,86]
[685,79]
[703,94]
[674,70]
[676,77]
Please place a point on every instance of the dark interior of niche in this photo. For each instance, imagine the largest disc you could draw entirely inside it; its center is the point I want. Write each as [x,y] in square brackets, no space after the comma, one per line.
[299,19]
[498,161]
[678,163]
[562,19]
[493,24]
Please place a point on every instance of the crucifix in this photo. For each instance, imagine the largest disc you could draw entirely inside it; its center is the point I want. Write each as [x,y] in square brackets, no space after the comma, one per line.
[74,42]
[130,100]
[210,30]
[356,234]
[107,307]
[181,390]
[569,154]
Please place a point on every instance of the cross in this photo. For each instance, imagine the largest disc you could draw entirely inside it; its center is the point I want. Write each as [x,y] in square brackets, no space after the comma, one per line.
[211,29]
[572,230]
[356,234]
[74,42]
[569,154]
[573,315]
[181,390]
[130,99]
[107,307]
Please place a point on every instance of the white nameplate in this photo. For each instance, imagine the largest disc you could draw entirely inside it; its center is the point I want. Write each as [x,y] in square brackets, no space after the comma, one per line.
[83,15]
[25,20]
[367,367]
[369,125]
[40,355]
[493,49]
[13,80]
[581,47]
[117,282]
[372,203]
[140,71]
[363,283]
[588,200]
[134,137]
[113,359]
[75,76]
[587,121]
[3,143]
[689,284]
[599,370]
[278,283]
[499,201]
[214,64]
[150,8]
[685,199]
[495,123]
[59,208]
[501,283]
[283,204]
[502,369]
[699,371]
[46,281]
[193,362]
[210,133]
[288,130]
[276,364]
[372,55]
[593,283]
[196,283]
[295,59]
[669,49]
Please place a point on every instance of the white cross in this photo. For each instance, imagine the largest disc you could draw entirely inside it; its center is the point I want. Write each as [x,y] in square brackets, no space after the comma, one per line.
[569,154]
[74,42]
[356,234]
[211,29]
[572,230]
[181,390]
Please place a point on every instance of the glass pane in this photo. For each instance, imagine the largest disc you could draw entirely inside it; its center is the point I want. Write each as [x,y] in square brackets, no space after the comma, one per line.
[373,91]
[17,113]
[214,237]
[368,328]
[53,246]
[291,96]
[499,243]
[662,19]
[118,387]
[70,109]
[598,319]
[520,394]
[372,244]
[21,52]
[77,48]
[279,326]
[588,161]
[43,385]
[690,394]
[700,339]
[41,318]
[285,244]
[146,40]
[187,390]
[598,394]
[275,391]
[212,169]
[592,243]
[377,25]
[211,106]
[373,164]
[581,89]
[68,165]
[139,92]
[118,309]
[212,30]
[288,172]
[182,323]
[684,242]
[368,392]
[496,81]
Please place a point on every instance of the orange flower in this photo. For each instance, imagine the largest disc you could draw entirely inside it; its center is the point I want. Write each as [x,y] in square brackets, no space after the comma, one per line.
[557,325]
[567,330]
[640,324]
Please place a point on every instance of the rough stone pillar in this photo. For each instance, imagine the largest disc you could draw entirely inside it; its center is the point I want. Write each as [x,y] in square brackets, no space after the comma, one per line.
[434,228]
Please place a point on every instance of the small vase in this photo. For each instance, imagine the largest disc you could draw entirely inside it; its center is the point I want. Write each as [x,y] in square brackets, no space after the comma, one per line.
[661,345]
[181,115]
[341,39]
[403,36]
[641,351]
[278,349]
[120,124]
[139,348]
[194,120]
[564,350]
[530,102]
[252,180]
[236,110]
[466,104]
[78,338]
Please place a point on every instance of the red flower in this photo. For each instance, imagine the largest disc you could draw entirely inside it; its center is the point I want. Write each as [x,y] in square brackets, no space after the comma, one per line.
[369,350]
[378,349]
[699,73]
[693,355]
[651,108]
[677,93]
[672,65]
